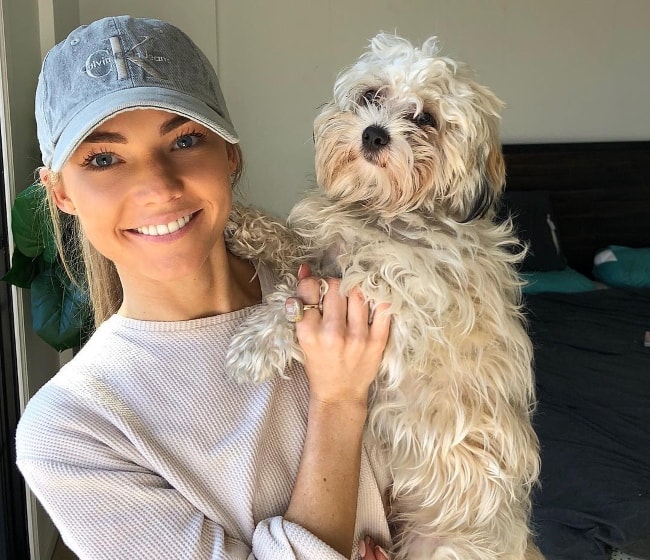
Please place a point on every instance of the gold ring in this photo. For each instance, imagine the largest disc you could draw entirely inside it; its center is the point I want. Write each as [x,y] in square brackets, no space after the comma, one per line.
[294,309]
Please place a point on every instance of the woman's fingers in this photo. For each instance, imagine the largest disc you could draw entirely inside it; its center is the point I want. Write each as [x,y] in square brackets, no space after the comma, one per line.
[380,323]
[343,339]
[353,313]
[335,305]
[304,271]
[358,313]
[309,291]
[368,550]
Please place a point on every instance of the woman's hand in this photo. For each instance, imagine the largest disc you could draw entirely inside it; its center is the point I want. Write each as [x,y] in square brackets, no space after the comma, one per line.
[368,550]
[343,349]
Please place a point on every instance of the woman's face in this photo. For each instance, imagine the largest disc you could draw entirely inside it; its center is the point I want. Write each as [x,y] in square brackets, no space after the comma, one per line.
[152,192]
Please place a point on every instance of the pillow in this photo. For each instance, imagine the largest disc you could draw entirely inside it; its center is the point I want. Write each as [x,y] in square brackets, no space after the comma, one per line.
[623,267]
[533,218]
[560,281]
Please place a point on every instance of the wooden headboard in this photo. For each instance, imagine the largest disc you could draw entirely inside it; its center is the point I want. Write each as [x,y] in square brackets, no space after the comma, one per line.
[599,192]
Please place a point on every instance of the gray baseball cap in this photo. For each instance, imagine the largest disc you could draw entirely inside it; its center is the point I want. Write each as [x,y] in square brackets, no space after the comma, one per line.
[117,64]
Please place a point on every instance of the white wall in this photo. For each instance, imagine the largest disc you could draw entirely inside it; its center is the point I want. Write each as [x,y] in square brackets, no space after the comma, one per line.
[568,70]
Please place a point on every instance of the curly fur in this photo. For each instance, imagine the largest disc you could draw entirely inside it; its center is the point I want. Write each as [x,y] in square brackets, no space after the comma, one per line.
[409,162]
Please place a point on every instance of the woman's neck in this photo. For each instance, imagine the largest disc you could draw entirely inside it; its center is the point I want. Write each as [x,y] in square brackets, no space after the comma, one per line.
[212,291]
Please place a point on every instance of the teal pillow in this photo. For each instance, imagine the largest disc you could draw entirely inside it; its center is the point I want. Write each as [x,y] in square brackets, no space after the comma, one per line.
[623,267]
[560,281]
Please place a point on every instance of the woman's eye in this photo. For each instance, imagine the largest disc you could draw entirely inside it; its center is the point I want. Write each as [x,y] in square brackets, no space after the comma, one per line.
[425,119]
[187,141]
[101,160]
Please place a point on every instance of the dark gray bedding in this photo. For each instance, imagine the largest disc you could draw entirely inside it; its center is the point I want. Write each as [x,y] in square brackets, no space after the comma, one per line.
[593,420]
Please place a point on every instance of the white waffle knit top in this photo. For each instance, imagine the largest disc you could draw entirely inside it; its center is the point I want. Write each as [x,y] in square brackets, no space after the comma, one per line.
[141,448]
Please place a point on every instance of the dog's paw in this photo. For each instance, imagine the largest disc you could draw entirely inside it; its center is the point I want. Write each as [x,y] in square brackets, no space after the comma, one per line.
[263,347]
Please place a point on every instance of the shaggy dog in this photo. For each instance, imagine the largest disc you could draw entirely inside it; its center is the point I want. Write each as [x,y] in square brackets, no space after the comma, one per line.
[409,162]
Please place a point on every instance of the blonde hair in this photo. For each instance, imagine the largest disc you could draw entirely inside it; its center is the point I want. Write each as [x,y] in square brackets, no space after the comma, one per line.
[92,272]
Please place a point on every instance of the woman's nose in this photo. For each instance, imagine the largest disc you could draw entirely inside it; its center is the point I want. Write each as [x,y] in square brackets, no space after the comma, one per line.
[158,181]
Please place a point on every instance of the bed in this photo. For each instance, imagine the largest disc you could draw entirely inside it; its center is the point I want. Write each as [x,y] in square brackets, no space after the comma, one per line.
[584,210]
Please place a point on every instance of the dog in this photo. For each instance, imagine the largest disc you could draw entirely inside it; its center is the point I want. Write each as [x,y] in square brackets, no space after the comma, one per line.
[409,169]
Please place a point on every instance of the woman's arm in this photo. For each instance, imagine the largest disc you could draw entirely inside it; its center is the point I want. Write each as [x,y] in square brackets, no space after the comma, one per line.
[105,504]
[108,504]
[343,351]
[324,498]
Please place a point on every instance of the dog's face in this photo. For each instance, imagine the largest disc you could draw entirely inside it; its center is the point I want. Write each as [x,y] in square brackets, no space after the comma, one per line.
[410,130]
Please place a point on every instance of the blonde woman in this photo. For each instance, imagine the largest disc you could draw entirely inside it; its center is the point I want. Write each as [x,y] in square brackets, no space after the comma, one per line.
[141,447]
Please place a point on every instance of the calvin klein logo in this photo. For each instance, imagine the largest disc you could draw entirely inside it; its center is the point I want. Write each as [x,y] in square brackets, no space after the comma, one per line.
[100,63]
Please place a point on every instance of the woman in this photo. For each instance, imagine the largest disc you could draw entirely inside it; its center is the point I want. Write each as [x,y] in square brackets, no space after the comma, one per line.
[140,447]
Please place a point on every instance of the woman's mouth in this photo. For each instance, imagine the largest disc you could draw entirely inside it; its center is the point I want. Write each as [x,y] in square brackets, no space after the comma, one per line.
[165,229]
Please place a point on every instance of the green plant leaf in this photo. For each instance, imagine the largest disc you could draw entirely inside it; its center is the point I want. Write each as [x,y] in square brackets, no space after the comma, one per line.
[60,312]
[31,224]
[23,269]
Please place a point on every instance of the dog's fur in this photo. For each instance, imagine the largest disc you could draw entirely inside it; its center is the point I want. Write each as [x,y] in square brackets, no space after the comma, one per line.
[409,161]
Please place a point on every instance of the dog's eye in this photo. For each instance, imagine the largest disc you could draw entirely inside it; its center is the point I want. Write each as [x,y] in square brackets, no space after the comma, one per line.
[370,96]
[425,119]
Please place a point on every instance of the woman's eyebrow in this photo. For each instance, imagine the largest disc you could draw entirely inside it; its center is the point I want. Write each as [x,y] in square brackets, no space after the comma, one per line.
[171,124]
[99,137]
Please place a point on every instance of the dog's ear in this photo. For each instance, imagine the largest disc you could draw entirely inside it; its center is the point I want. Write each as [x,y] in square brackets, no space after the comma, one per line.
[490,187]
[481,204]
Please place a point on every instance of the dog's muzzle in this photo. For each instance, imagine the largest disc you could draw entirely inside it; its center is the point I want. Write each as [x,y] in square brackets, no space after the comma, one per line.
[374,138]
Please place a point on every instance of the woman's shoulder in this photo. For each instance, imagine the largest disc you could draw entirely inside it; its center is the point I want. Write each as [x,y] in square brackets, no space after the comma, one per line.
[63,411]
[126,360]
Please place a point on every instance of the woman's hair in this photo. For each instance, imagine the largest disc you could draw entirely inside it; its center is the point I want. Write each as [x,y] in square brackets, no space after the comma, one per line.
[91,272]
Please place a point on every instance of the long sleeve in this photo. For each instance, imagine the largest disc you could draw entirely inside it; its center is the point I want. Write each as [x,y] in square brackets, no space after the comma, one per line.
[154,455]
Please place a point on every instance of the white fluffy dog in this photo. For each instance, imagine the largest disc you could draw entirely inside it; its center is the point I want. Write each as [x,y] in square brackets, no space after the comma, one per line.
[409,162]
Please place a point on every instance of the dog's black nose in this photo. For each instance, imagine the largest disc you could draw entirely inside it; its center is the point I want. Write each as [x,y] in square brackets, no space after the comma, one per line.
[375,138]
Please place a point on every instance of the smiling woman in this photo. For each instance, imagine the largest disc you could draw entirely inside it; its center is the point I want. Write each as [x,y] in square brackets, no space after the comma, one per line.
[136,174]
[142,446]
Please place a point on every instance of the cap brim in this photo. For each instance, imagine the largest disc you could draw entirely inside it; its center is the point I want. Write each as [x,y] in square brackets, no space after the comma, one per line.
[99,111]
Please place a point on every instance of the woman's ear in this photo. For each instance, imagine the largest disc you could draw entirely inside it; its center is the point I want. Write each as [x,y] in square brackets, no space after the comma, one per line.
[59,194]
[233,157]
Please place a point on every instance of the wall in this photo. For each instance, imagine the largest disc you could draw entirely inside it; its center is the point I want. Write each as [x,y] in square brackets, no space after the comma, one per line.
[570,71]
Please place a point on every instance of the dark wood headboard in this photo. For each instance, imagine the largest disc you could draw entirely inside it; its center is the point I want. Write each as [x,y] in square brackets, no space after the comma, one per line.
[599,191]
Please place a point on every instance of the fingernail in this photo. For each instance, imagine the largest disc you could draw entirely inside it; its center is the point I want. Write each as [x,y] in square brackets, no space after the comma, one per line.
[382,551]
[300,269]
[362,549]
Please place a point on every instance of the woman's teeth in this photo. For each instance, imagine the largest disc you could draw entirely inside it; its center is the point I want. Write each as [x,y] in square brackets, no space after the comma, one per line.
[165,229]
